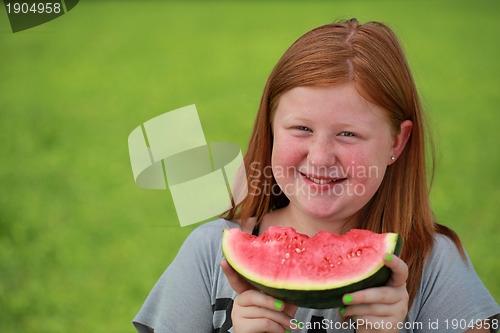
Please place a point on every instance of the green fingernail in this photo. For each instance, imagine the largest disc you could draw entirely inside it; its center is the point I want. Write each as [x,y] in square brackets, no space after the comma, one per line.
[278,305]
[388,257]
[287,331]
[342,310]
[348,299]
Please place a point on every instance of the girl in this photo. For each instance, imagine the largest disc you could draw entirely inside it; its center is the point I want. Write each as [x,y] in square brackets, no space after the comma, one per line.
[341,127]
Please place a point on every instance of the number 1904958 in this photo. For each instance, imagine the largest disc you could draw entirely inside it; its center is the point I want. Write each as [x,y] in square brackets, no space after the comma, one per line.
[464,324]
[35,8]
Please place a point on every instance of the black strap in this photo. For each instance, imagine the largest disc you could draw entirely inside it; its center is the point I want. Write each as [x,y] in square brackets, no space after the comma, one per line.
[255,231]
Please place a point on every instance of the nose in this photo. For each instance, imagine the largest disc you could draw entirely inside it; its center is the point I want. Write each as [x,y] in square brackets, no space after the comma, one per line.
[321,152]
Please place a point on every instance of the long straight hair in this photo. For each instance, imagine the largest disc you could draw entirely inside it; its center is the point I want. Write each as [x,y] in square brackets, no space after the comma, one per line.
[371,57]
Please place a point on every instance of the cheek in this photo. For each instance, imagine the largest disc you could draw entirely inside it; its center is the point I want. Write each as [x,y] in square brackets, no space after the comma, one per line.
[355,159]
[366,167]
[286,151]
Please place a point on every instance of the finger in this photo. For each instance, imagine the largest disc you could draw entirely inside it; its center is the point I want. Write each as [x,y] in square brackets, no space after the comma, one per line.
[255,312]
[256,298]
[264,325]
[290,309]
[238,283]
[394,312]
[399,270]
[358,310]
[381,295]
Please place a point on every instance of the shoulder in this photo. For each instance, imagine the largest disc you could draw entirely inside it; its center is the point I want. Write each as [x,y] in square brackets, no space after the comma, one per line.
[450,287]
[194,277]
[207,238]
[444,246]
[446,254]
[213,228]
[445,267]
[199,256]
[444,242]
[445,257]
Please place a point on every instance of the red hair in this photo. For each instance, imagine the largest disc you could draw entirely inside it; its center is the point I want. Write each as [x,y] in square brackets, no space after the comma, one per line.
[370,56]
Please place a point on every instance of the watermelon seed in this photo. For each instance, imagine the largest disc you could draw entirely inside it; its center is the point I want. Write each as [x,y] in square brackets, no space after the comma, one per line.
[282,261]
[358,253]
[287,255]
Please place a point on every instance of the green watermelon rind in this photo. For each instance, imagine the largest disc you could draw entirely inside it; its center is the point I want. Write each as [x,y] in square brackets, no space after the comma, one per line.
[327,298]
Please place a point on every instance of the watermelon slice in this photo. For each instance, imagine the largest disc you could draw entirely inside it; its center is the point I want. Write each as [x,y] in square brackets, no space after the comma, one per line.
[313,272]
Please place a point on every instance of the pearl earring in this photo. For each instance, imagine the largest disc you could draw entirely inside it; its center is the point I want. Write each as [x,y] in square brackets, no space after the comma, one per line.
[393,158]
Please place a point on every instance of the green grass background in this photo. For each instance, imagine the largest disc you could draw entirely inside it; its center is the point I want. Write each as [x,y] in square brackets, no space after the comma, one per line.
[81,245]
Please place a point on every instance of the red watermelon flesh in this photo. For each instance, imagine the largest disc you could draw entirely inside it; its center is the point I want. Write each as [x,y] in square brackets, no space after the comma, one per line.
[282,260]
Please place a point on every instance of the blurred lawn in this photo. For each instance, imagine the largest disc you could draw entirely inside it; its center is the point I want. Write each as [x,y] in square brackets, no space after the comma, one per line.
[81,245]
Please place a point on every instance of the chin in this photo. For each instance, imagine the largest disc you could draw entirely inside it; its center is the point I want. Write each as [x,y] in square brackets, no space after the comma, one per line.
[320,209]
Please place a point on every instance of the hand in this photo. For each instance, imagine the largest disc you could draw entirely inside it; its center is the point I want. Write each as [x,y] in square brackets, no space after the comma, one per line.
[382,308]
[254,311]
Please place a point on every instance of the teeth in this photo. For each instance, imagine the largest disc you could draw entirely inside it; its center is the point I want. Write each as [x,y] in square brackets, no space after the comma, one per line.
[321,181]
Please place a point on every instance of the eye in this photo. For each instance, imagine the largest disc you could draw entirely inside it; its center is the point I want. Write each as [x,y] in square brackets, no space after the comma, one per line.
[347,134]
[304,128]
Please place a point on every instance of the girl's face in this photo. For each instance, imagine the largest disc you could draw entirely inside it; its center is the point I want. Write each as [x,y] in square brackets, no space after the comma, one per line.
[331,150]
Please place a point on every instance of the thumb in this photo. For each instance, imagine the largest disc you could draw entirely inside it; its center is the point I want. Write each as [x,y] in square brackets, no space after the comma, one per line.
[238,283]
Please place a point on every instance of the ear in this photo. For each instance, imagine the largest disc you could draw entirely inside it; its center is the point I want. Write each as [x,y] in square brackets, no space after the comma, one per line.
[401,139]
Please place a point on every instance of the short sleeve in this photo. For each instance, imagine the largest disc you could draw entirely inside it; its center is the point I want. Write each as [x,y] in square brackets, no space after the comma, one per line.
[180,301]
[452,296]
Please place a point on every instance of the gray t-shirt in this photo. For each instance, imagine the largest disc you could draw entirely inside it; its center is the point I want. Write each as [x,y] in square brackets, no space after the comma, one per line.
[194,296]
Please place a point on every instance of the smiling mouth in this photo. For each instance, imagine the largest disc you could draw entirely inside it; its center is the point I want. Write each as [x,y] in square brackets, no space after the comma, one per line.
[323,181]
